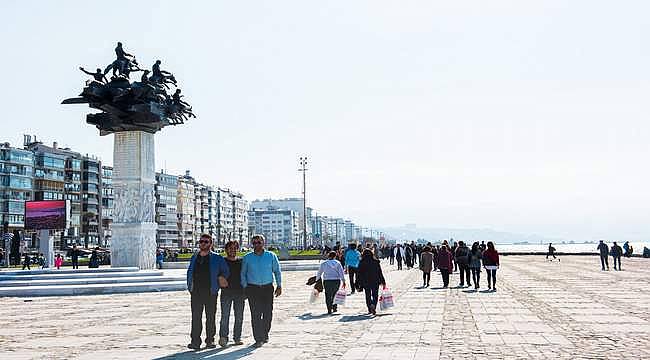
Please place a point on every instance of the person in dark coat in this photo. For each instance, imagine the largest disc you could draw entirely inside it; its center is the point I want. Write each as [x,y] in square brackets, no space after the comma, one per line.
[475,256]
[74,254]
[445,264]
[370,276]
[604,252]
[426,265]
[617,251]
[408,251]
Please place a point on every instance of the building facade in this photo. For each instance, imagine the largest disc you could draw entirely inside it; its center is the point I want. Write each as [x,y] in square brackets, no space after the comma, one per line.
[294,204]
[185,211]
[166,210]
[279,227]
[16,183]
[107,205]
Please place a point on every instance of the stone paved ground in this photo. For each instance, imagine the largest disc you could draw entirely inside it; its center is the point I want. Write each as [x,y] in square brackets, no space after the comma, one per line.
[554,310]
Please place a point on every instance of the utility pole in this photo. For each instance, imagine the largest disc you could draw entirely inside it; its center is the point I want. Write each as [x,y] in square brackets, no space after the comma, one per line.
[303,164]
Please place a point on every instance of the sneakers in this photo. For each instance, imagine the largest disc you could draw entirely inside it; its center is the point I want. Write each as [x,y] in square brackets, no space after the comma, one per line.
[194,346]
[238,342]
[258,344]
[210,345]
[223,341]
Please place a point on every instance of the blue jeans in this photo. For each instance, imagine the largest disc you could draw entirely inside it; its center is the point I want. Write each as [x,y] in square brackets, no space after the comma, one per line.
[234,299]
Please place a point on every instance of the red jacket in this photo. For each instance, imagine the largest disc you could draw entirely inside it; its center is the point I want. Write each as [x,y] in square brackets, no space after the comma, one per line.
[444,260]
[490,257]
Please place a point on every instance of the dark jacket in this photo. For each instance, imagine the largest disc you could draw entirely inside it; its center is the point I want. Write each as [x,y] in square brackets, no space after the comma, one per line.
[444,260]
[475,259]
[369,273]
[462,255]
[218,267]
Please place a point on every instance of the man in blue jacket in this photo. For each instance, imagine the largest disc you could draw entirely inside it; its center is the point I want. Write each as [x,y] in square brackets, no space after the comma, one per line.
[205,275]
[352,258]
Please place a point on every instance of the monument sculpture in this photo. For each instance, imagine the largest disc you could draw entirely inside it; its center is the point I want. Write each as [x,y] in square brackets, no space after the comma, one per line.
[133,112]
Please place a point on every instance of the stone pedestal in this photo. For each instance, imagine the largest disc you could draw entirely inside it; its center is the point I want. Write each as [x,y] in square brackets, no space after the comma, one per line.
[133,241]
[46,247]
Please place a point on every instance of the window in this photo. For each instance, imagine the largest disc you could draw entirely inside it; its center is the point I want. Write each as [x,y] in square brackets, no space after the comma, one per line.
[16,207]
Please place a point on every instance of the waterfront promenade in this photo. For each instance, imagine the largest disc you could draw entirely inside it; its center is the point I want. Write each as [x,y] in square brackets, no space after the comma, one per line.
[542,310]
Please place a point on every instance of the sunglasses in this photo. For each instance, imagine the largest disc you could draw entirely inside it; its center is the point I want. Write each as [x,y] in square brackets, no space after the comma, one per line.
[204,241]
[257,243]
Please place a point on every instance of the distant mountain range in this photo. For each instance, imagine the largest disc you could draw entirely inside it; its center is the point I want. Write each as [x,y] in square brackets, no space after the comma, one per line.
[411,232]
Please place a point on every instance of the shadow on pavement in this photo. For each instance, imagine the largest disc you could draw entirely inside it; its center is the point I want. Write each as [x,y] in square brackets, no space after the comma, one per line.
[350,318]
[210,354]
[309,316]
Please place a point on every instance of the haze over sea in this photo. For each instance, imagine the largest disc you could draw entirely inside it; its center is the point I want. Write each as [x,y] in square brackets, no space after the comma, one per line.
[567,248]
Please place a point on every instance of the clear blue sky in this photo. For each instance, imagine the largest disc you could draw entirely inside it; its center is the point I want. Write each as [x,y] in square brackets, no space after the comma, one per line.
[522,116]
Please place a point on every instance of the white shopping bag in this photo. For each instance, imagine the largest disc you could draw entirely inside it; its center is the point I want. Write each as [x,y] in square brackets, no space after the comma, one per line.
[339,298]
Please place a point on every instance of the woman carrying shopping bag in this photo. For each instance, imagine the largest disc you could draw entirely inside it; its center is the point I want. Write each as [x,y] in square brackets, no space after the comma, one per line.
[331,272]
[370,277]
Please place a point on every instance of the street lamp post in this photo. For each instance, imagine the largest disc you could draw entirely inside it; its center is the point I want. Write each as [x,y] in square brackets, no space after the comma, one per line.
[303,169]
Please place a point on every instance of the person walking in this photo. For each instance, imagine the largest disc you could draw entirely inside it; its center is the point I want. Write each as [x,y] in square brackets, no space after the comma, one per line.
[352,258]
[454,247]
[74,256]
[474,264]
[426,265]
[232,296]
[331,272]
[604,253]
[491,264]
[258,270]
[399,256]
[461,257]
[391,255]
[370,277]
[445,265]
[617,252]
[408,255]
[58,261]
[27,261]
[206,273]
[435,250]
[551,251]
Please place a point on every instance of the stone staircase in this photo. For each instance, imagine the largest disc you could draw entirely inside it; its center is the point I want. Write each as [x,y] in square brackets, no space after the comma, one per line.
[66,282]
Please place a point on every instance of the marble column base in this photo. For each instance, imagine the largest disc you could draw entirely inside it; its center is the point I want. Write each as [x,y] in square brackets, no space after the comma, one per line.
[134,245]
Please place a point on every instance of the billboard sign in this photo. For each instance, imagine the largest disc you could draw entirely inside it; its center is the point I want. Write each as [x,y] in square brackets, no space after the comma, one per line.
[45,215]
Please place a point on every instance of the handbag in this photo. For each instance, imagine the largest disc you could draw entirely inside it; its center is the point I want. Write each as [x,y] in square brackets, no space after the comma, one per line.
[386,299]
[339,297]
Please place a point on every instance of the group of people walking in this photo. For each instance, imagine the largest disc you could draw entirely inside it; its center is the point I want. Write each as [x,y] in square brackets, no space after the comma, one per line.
[615,251]
[250,277]
[468,262]
[364,271]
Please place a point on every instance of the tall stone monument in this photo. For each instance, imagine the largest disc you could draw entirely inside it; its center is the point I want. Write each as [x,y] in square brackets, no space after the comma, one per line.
[133,112]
